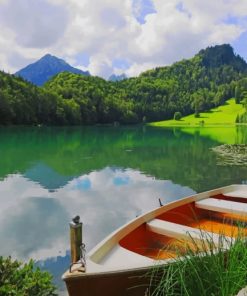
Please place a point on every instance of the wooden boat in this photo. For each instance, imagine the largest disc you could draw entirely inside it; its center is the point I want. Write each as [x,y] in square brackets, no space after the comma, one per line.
[119,264]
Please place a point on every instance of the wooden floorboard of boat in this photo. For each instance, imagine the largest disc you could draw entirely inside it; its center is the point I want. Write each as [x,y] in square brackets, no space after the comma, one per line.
[218,227]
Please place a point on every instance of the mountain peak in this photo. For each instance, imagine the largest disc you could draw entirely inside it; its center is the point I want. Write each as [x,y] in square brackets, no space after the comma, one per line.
[48,55]
[217,55]
[45,68]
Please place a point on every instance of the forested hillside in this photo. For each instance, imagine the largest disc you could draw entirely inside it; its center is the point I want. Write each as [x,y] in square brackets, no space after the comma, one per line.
[97,100]
[24,103]
[190,86]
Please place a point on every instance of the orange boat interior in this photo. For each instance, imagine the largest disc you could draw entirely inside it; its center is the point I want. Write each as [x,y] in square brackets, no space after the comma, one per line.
[157,246]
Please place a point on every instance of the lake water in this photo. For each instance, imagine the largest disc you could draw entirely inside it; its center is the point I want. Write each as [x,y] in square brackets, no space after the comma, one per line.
[106,175]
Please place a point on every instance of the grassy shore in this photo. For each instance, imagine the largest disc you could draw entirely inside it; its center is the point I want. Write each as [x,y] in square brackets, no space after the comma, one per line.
[222,115]
[209,268]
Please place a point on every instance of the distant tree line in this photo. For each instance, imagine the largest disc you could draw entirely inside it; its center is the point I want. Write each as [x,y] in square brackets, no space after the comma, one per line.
[190,86]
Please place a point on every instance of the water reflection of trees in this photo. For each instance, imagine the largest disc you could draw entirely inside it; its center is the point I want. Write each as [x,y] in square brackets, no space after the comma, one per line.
[241,134]
[184,158]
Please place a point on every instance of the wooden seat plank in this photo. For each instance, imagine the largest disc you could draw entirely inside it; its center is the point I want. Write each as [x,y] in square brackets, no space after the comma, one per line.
[237,193]
[180,231]
[222,206]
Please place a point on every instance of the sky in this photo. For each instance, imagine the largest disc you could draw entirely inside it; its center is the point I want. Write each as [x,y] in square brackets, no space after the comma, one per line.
[117,36]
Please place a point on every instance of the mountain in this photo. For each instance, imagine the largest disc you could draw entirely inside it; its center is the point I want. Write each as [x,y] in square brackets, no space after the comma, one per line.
[216,56]
[190,86]
[208,60]
[115,77]
[45,68]
[207,80]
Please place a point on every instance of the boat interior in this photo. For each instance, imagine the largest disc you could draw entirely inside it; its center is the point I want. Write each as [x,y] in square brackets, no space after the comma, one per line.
[170,233]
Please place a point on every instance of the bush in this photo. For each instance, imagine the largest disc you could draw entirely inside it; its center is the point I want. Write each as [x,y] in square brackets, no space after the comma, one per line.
[18,279]
[197,114]
[177,116]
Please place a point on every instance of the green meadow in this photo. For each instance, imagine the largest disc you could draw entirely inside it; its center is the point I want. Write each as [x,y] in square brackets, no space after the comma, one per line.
[222,115]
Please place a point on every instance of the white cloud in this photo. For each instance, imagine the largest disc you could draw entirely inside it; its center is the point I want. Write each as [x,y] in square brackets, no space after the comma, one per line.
[36,220]
[137,68]
[109,30]
[172,34]
[100,63]
[36,24]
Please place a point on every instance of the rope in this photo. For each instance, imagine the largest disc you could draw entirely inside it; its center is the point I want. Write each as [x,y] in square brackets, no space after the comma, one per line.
[82,259]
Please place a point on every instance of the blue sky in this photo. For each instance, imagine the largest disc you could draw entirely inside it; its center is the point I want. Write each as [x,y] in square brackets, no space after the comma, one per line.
[116,36]
[240,45]
[143,8]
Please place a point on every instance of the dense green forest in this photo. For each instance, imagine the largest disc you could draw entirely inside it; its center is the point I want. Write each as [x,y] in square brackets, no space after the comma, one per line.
[24,103]
[190,86]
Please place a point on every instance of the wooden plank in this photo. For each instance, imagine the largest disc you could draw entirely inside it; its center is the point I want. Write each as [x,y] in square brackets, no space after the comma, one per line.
[237,193]
[222,206]
[180,231]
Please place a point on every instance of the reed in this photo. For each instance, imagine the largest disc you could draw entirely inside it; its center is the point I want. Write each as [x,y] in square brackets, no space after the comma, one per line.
[208,268]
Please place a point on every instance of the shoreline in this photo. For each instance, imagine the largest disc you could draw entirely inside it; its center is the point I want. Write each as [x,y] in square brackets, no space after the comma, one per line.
[153,124]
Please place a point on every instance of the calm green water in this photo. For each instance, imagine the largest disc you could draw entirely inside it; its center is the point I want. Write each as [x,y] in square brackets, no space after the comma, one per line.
[106,175]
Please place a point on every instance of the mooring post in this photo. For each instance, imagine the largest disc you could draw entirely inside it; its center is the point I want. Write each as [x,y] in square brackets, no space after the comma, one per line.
[75,239]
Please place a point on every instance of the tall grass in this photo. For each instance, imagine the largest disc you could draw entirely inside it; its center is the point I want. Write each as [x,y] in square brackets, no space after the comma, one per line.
[208,268]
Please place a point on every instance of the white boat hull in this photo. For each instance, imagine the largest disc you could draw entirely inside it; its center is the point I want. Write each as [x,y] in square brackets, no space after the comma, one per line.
[113,269]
